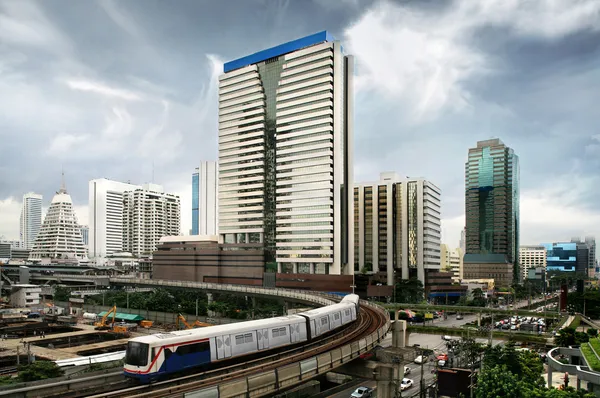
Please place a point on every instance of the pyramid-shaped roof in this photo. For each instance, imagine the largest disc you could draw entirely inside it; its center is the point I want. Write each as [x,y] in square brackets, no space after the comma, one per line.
[60,234]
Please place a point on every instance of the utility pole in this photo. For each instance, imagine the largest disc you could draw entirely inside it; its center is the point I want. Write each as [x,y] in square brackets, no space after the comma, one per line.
[492,330]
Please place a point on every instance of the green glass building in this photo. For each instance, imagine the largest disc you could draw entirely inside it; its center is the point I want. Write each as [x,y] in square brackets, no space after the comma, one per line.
[492,213]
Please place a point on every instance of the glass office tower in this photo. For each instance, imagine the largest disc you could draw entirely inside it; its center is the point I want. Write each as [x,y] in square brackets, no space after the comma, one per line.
[285,155]
[492,205]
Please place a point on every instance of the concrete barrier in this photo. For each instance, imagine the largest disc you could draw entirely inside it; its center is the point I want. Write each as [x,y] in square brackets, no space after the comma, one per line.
[294,374]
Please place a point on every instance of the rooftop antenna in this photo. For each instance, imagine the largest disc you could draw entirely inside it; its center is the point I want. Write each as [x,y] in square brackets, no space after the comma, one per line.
[63,186]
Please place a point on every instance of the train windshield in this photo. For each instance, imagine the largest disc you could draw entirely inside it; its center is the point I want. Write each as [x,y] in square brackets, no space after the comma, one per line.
[136,354]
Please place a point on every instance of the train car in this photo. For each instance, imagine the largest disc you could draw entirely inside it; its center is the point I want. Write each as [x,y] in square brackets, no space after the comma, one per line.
[354,299]
[150,357]
[326,319]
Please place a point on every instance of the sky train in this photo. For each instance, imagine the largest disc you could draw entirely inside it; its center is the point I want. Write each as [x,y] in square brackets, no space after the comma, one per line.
[150,358]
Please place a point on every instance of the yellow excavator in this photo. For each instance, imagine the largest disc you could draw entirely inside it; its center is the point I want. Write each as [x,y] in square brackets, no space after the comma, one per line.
[196,324]
[102,325]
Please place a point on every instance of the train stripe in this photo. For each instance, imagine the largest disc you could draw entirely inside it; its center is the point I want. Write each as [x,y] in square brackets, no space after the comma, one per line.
[141,372]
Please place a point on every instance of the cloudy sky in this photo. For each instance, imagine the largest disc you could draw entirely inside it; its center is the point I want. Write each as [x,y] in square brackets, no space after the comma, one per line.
[118,88]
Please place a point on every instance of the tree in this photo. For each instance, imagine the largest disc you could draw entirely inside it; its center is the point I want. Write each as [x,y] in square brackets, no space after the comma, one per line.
[39,370]
[61,293]
[498,382]
[568,336]
[409,291]
[592,332]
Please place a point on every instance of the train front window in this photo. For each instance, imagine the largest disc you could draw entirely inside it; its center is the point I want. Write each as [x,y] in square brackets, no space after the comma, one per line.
[136,354]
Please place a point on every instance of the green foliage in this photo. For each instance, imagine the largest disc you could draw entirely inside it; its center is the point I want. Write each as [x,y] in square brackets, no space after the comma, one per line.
[409,291]
[7,380]
[61,293]
[508,373]
[166,300]
[590,357]
[592,332]
[39,370]
[576,322]
[591,297]
[569,337]
[184,301]
[498,382]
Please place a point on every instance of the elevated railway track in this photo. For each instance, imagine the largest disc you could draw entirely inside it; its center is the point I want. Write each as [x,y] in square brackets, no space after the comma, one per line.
[258,376]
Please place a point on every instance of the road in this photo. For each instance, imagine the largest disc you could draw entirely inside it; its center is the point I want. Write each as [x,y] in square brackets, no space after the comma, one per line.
[430,341]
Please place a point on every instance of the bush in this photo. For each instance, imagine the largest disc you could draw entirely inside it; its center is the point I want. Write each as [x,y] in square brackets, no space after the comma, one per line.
[39,370]
[592,332]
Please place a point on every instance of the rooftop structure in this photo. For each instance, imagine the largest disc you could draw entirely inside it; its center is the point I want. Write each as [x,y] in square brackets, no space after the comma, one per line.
[59,238]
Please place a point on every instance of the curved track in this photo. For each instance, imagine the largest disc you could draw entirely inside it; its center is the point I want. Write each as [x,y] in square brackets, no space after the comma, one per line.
[370,320]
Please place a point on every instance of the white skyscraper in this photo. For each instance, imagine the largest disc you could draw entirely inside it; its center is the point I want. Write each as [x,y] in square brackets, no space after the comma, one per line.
[149,214]
[204,199]
[59,238]
[106,216]
[31,218]
[285,155]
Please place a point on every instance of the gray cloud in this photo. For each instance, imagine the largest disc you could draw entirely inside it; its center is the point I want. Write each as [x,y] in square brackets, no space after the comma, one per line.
[119,89]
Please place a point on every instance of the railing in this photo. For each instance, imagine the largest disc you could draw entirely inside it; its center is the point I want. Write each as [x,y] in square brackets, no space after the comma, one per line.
[581,371]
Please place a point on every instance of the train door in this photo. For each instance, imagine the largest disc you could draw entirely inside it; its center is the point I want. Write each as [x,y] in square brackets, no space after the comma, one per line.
[223,346]
[294,332]
[263,338]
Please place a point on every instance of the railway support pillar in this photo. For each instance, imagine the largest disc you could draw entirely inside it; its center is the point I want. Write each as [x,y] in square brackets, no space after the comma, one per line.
[479,320]
[209,298]
[399,334]
[386,383]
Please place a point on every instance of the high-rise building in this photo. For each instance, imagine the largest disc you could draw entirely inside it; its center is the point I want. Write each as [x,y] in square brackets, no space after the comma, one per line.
[492,213]
[586,255]
[149,214]
[204,199]
[463,240]
[59,238]
[562,257]
[285,155]
[531,257]
[106,216]
[397,227]
[591,243]
[31,218]
[451,260]
[85,234]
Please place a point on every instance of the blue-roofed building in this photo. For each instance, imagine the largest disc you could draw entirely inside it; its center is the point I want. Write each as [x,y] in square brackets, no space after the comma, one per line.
[285,155]
[561,257]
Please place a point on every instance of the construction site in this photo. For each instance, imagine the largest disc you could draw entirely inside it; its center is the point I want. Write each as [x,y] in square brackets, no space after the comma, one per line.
[73,341]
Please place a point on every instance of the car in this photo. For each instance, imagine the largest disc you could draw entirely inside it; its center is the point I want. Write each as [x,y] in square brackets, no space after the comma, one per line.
[362,392]
[459,317]
[406,370]
[406,384]
[447,338]
[420,359]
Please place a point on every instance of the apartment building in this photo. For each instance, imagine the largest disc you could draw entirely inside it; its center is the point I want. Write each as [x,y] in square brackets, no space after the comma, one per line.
[451,260]
[532,257]
[148,215]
